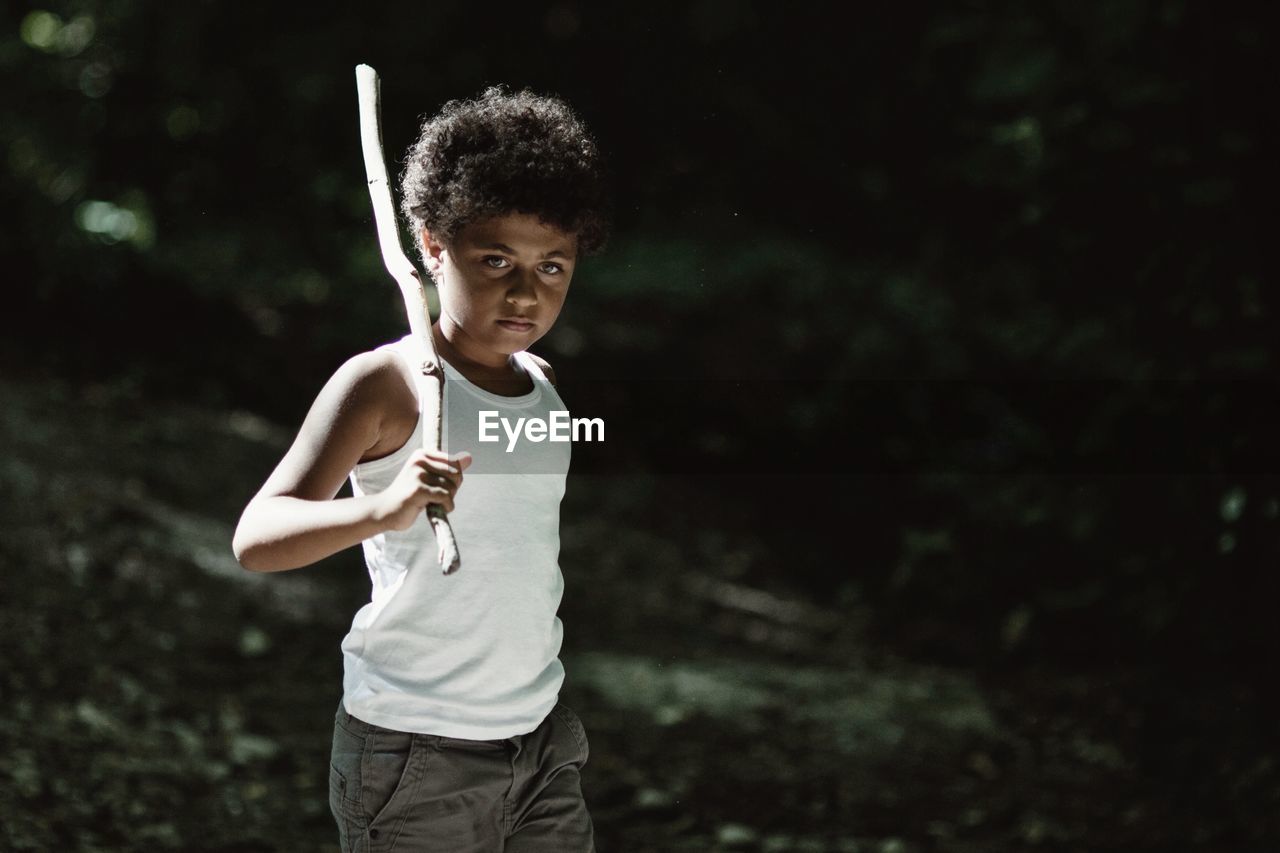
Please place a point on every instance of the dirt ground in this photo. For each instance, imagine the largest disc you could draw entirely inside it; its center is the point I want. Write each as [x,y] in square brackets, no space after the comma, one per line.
[159,697]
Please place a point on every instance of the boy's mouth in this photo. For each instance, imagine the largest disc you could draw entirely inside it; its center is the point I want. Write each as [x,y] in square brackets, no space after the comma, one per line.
[516,325]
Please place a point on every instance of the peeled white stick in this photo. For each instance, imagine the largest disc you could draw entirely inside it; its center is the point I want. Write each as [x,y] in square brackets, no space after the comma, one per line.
[411,287]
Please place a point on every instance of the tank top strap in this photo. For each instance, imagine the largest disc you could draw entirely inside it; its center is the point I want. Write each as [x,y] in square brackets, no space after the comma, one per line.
[530,365]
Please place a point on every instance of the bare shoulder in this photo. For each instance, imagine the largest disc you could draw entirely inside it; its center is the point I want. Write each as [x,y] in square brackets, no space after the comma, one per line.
[359,414]
[545,367]
[378,383]
[387,390]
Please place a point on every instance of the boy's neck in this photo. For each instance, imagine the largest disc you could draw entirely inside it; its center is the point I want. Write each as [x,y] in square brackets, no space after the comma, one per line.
[499,366]
[499,376]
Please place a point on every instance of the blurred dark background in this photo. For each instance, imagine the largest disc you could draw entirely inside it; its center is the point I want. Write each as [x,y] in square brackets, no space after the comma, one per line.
[944,332]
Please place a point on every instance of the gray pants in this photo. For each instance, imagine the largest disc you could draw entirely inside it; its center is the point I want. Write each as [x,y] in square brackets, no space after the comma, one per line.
[419,793]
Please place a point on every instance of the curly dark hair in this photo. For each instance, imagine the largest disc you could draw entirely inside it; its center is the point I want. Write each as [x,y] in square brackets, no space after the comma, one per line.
[503,153]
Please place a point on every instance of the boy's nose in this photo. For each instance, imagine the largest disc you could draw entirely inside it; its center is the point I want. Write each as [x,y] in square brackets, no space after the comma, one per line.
[523,293]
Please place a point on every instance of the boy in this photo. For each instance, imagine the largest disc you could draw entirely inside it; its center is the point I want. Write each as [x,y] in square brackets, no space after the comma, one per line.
[450,735]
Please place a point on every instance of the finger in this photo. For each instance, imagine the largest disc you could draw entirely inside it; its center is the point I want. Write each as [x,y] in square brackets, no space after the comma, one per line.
[437,495]
[436,458]
[448,457]
[429,475]
[445,500]
[439,480]
[440,462]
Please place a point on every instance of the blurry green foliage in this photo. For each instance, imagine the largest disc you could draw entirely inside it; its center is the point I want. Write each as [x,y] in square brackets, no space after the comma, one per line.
[964,198]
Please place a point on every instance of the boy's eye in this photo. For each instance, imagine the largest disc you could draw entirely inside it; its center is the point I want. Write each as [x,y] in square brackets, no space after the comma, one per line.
[496,262]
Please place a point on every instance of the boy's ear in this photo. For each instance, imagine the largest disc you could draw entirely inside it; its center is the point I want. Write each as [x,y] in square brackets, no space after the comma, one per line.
[431,251]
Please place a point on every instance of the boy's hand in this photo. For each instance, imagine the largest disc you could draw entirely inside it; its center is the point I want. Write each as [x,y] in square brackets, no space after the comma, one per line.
[428,477]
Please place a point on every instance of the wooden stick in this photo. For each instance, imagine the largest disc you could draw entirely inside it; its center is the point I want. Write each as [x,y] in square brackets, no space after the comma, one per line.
[412,289]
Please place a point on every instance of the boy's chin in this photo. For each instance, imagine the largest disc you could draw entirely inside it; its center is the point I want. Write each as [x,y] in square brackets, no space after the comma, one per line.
[510,347]
[512,342]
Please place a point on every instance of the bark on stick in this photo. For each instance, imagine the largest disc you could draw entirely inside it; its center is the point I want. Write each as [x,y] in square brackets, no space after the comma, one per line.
[412,289]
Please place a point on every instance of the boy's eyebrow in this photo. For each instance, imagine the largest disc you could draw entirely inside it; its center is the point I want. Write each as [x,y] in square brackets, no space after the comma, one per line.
[503,247]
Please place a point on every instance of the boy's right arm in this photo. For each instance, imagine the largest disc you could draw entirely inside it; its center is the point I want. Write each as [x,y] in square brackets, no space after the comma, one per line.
[294,519]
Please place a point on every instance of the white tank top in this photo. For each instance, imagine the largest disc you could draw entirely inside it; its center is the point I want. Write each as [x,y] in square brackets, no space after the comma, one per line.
[473,654]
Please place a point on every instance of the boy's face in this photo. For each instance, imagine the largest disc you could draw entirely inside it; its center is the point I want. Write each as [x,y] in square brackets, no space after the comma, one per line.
[499,269]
